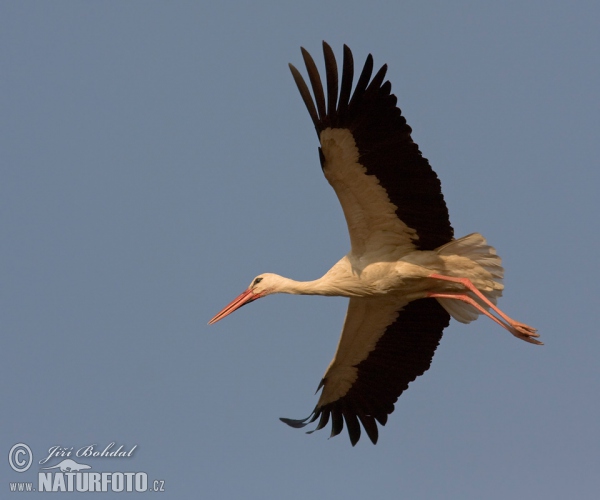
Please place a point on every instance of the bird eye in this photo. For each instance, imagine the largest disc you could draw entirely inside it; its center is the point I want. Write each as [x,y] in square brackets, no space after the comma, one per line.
[257,281]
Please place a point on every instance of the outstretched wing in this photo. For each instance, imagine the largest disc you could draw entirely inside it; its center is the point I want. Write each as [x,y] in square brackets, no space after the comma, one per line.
[384,346]
[389,194]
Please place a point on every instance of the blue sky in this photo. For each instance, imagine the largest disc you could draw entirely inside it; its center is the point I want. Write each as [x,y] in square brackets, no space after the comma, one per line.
[156,156]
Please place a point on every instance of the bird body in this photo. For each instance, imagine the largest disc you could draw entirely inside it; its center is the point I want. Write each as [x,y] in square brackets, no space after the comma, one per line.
[369,276]
[405,274]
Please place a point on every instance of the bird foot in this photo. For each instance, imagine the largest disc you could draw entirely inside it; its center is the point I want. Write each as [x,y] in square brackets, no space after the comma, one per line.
[525,332]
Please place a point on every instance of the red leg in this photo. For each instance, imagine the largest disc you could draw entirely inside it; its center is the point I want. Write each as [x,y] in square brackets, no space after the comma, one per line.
[518,329]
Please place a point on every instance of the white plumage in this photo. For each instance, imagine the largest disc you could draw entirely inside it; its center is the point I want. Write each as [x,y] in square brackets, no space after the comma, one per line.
[405,274]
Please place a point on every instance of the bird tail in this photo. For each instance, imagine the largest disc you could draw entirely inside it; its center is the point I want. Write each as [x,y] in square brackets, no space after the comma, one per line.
[484,270]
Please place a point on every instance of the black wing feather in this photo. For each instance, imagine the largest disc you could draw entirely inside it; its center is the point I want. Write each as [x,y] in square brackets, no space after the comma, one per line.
[346,88]
[332,78]
[315,82]
[305,93]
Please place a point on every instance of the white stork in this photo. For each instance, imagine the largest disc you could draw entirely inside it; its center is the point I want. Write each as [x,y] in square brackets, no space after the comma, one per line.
[405,275]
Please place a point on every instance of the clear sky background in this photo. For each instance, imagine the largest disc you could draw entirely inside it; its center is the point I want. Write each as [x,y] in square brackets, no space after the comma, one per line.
[156,156]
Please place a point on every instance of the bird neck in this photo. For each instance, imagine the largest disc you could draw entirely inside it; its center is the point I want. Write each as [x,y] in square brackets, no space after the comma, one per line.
[319,286]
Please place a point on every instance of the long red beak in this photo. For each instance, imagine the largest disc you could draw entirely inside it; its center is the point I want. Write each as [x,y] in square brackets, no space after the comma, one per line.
[245,298]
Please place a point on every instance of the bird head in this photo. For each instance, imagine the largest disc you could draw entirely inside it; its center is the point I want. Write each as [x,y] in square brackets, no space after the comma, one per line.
[262,285]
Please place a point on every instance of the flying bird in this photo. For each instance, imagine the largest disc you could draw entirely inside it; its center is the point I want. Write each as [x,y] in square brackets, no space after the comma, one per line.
[405,274]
